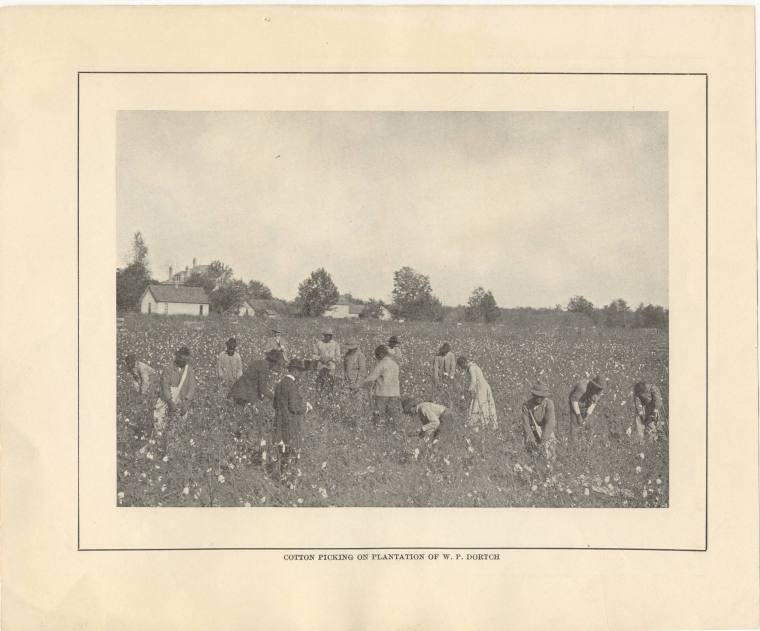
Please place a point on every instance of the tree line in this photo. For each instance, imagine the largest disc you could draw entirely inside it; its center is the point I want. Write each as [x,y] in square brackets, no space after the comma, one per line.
[412,297]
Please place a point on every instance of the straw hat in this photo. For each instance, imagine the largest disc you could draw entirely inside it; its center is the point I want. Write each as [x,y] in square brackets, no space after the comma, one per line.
[598,381]
[540,389]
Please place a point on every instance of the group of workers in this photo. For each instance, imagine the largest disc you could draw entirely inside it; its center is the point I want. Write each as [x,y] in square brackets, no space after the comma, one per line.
[267,402]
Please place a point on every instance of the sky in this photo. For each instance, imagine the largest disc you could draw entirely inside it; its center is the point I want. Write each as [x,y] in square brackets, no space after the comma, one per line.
[535,206]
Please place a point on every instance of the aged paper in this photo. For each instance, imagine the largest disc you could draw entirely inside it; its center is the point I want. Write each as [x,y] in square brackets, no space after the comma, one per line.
[72,557]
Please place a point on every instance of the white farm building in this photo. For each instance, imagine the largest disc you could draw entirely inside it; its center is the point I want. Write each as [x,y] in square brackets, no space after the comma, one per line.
[174,299]
[344,309]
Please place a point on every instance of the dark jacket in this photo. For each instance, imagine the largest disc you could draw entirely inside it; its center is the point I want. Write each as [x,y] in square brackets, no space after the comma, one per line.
[289,408]
[255,384]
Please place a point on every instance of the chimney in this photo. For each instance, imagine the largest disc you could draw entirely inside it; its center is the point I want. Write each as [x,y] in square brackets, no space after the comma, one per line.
[170,273]
[194,265]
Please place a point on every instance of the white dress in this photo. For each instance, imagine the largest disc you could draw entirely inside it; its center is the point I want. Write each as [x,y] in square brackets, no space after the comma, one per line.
[482,410]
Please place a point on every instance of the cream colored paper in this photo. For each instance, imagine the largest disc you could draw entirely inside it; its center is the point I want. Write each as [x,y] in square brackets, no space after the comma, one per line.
[70,70]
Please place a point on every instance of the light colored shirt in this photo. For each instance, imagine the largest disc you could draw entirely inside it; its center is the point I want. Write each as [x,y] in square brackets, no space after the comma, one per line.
[542,413]
[384,376]
[430,414]
[142,376]
[396,354]
[229,368]
[328,354]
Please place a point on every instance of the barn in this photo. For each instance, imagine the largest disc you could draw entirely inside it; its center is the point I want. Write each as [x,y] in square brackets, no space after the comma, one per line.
[174,299]
[344,309]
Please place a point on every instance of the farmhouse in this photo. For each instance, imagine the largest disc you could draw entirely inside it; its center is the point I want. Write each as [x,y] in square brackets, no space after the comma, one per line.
[246,309]
[183,275]
[174,299]
[344,309]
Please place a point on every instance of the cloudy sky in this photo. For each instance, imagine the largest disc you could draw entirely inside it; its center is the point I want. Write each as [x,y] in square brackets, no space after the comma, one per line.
[536,206]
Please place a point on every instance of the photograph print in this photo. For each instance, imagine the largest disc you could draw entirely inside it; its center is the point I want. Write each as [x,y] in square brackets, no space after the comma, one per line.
[392,308]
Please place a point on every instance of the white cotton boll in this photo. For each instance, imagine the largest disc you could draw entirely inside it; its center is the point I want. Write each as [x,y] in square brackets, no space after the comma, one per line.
[638,469]
[220,477]
[186,491]
[323,492]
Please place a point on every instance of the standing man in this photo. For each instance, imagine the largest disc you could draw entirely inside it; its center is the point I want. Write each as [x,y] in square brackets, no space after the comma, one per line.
[444,365]
[252,394]
[354,366]
[647,402]
[583,399]
[176,394]
[327,355]
[540,422]
[385,387]
[289,409]
[141,375]
[229,367]
[277,343]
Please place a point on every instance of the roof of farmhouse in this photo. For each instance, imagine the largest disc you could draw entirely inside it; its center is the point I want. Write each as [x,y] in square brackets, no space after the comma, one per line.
[178,293]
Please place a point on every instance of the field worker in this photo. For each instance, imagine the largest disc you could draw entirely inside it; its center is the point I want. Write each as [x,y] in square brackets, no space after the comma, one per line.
[444,364]
[482,408]
[583,399]
[647,401]
[327,356]
[229,367]
[289,409]
[252,394]
[385,387]
[540,422]
[354,366]
[141,375]
[394,349]
[176,393]
[437,421]
[275,342]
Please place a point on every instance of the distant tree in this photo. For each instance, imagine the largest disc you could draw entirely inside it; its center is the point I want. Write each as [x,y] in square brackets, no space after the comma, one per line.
[413,296]
[216,275]
[228,297]
[258,290]
[651,317]
[578,304]
[132,280]
[373,309]
[558,307]
[618,313]
[481,307]
[317,293]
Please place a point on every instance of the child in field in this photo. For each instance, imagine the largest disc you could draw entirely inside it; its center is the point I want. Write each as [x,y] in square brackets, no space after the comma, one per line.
[444,365]
[540,422]
[176,395]
[229,367]
[289,409]
[354,366]
[437,421]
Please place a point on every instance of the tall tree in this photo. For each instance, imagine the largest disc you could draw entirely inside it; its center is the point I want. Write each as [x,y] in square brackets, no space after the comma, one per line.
[258,290]
[413,296]
[578,304]
[481,307]
[617,313]
[228,297]
[317,293]
[132,280]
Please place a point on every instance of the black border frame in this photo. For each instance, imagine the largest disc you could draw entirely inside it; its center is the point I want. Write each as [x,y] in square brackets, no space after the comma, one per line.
[320,72]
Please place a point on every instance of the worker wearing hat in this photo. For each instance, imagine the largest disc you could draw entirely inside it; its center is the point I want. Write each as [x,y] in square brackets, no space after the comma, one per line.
[176,395]
[354,366]
[276,342]
[229,367]
[583,399]
[252,395]
[289,409]
[540,422]
[327,356]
